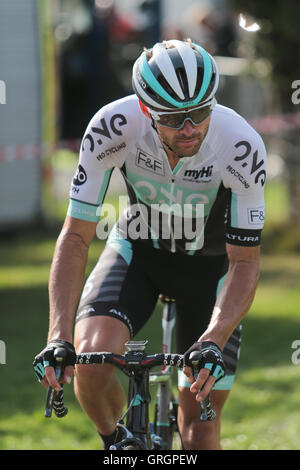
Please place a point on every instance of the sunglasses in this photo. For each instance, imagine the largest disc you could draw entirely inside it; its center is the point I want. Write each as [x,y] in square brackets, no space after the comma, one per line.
[176,119]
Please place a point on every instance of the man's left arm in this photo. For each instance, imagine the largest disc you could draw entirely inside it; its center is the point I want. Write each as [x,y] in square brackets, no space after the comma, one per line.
[233,302]
[236,295]
[243,168]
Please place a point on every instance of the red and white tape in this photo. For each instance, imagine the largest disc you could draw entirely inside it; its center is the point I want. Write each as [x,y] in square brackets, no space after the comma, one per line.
[274,124]
[35,151]
[266,125]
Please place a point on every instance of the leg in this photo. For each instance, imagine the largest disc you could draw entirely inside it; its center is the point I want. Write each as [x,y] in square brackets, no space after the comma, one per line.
[116,302]
[96,387]
[196,434]
[193,315]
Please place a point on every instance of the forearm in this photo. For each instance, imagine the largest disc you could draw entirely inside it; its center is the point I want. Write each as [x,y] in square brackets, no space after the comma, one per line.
[233,302]
[65,284]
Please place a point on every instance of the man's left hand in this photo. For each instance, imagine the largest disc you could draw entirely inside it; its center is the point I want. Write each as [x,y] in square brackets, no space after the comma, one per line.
[209,363]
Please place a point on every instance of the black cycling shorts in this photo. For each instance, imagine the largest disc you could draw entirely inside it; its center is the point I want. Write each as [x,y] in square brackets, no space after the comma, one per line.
[129,277]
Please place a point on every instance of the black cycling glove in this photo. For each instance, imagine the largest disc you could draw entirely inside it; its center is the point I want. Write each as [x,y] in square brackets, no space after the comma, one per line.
[209,356]
[46,357]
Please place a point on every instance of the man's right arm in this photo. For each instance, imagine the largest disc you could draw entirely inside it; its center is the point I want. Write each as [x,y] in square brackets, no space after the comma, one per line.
[113,127]
[67,276]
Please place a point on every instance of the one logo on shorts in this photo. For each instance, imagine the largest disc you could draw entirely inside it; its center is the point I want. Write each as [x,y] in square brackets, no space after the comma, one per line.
[86,312]
[122,315]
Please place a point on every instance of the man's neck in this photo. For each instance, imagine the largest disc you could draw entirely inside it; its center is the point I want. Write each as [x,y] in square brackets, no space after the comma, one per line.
[173,158]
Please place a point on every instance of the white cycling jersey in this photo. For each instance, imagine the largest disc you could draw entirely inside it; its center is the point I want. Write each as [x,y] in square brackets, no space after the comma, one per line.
[215,196]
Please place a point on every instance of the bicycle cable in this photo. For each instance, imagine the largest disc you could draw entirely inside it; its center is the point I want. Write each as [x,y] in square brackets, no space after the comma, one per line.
[130,405]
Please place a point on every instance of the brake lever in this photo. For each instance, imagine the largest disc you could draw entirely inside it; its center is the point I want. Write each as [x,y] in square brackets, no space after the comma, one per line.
[54,400]
[207,412]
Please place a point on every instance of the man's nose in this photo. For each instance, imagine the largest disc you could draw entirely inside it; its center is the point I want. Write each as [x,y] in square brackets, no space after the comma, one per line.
[188,127]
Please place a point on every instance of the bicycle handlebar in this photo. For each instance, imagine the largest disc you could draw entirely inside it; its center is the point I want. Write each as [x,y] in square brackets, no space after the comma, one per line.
[126,362]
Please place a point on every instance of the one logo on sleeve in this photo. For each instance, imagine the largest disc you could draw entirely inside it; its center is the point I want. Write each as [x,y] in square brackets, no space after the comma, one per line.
[253,162]
[80,176]
[105,130]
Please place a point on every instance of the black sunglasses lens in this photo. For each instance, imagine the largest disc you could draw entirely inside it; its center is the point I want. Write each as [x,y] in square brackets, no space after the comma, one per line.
[198,115]
[172,120]
[177,119]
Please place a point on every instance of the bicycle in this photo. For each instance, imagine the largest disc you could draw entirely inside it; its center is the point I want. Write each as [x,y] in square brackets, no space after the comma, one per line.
[139,433]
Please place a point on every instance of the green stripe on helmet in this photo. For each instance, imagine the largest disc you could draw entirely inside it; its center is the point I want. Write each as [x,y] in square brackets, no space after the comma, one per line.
[207,72]
[154,84]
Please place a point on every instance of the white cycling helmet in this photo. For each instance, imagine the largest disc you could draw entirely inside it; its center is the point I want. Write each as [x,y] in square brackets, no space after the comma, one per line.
[174,75]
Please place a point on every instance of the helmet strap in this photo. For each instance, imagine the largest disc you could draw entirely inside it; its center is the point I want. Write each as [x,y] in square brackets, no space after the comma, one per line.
[170,148]
[163,141]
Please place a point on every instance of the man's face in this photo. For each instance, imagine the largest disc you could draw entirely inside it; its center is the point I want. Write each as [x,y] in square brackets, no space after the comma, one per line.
[185,141]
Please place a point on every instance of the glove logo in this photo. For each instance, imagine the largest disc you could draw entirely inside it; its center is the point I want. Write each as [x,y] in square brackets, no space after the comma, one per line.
[218,373]
[40,370]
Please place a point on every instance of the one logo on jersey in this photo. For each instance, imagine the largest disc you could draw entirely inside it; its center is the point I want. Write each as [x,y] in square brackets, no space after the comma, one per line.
[256,216]
[148,162]
[238,175]
[253,162]
[246,240]
[80,176]
[111,151]
[204,174]
[161,195]
[115,122]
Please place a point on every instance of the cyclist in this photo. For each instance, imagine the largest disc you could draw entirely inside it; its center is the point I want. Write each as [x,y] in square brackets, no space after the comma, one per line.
[195,174]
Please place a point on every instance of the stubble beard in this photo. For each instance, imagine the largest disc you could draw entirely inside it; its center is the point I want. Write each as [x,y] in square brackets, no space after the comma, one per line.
[175,142]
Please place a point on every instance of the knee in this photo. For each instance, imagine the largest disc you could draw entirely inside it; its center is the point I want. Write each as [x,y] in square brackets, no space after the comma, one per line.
[197,435]
[94,372]
[90,376]
[93,378]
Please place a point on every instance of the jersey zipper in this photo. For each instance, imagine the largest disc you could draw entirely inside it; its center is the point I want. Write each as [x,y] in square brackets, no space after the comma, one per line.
[173,172]
[173,243]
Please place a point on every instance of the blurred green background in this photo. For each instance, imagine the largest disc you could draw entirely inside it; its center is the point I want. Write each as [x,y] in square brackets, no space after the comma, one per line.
[77,43]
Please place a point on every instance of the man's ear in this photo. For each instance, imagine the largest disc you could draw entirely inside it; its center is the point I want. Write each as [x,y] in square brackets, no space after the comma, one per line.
[144,109]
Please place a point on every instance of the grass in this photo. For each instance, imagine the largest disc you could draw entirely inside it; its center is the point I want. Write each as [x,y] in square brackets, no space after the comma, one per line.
[263,411]
[264,407]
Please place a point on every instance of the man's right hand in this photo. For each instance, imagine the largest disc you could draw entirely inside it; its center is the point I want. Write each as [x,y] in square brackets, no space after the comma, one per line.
[44,364]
